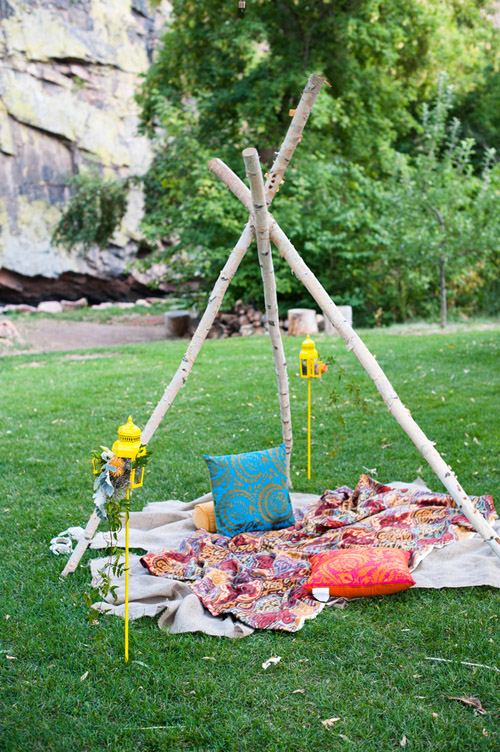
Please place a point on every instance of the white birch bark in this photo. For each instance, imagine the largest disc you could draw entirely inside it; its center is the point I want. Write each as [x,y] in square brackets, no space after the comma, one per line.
[281,162]
[254,174]
[82,545]
[294,135]
[369,363]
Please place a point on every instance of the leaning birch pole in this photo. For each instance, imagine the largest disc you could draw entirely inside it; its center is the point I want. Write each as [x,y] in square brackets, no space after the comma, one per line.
[292,138]
[254,174]
[369,363]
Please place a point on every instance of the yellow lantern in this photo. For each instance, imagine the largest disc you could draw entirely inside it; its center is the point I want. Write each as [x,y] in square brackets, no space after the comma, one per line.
[311,367]
[129,446]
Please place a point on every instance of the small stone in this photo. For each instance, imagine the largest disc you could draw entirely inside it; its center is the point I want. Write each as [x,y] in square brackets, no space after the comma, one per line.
[21,308]
[50,306]
[8,330]
[74,305]
[102,306]
[143,302]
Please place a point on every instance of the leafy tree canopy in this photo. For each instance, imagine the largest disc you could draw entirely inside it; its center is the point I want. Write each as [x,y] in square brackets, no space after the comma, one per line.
[222,81]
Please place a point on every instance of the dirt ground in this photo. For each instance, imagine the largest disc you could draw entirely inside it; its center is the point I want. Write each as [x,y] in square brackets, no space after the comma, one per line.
[37,335]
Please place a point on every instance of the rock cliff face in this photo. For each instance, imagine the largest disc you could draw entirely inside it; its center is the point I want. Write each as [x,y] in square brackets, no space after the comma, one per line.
[68,73]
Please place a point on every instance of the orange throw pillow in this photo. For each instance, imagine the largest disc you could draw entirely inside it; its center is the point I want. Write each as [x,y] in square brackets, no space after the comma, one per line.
[356,572]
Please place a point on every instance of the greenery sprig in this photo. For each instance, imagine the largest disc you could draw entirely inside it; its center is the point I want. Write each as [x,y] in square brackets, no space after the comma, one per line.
[93,213]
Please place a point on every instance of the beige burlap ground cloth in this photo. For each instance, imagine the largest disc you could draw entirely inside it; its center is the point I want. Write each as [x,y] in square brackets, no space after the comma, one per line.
[166,524]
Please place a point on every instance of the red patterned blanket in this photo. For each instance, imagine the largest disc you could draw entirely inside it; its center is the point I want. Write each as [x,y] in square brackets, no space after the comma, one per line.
[258,577]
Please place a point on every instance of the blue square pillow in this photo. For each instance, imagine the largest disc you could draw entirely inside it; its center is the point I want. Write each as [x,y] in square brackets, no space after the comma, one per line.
[250,491]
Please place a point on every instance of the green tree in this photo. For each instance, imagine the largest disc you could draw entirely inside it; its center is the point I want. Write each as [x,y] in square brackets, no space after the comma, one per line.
[93,214]
[443,220]
[223,81]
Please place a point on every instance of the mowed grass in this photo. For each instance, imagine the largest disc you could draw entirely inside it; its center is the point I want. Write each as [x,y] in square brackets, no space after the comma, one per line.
[65,686]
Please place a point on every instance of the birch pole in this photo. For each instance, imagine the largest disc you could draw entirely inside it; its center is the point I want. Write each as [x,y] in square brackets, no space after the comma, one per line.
[369,363]
[292,138]
[254,174]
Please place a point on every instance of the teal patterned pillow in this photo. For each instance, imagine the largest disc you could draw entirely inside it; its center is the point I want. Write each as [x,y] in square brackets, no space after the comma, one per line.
[250,491]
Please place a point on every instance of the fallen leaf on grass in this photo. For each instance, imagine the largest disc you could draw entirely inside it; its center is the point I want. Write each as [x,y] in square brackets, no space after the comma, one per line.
[403,741]
[271,660]
[304,660]
[299,691]
[11,657]
[141,663]
[485,733]
[328,722]
[474,702]
[208,658]
[435,715]
[385,446]
[84,676]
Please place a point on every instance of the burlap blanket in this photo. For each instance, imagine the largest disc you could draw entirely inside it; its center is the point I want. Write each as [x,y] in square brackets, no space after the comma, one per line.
[165,525]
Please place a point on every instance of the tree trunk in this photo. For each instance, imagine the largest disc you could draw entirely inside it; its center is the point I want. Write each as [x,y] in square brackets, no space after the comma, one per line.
[369,363]
[254,174]
[442,292]
[302,321]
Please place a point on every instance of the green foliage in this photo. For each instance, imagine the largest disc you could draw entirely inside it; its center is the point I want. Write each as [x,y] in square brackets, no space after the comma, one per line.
[443,221]
[223,81]
[93,214]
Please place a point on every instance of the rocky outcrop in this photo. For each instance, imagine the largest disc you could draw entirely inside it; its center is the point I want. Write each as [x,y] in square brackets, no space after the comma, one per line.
[68,74]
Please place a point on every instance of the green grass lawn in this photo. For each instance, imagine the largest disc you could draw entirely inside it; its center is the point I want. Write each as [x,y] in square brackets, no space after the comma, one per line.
[65,686]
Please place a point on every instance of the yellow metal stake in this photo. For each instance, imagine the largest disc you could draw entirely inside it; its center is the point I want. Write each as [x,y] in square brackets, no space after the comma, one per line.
[129,447]
[308,428]
[311,367]
[127,520]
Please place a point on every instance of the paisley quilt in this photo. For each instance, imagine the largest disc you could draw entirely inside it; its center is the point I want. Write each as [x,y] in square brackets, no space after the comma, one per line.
[258,576]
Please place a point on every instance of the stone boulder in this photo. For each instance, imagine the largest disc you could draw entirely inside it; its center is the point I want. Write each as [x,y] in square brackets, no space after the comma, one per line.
[50,306]
[74,305]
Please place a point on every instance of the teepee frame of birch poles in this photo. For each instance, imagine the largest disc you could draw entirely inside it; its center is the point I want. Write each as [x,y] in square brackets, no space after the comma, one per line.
[263,226]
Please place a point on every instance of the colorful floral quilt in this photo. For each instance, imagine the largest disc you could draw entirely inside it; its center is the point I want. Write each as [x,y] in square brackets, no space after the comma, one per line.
[258,577]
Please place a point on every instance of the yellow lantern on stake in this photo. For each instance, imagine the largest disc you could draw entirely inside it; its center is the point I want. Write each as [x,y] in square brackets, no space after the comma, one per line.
[311,367]
[127,447]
